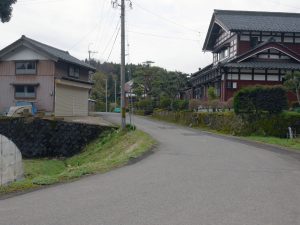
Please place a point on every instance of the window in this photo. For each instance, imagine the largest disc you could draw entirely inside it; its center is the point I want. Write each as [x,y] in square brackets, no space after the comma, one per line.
[224,54]
[25,68]
[231,85]
[25,91]
[288,38]
[259,77]
[232,76]
[74,72]
[273,77]
[246,77]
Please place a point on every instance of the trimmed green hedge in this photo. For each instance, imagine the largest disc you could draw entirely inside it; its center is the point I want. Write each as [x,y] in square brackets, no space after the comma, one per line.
[230,123]
[258,99]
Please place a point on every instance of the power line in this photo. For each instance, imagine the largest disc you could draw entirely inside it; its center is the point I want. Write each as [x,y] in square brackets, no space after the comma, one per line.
[109,41]
[107,22]
[166,19]
[113,44]
[101,20]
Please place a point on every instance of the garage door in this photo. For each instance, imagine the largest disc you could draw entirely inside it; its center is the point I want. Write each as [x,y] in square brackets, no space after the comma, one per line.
[71,101]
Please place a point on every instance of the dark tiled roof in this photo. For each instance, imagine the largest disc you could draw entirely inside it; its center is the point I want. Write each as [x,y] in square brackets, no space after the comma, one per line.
[207,68]
[265,65]
[54,52]
[258,21]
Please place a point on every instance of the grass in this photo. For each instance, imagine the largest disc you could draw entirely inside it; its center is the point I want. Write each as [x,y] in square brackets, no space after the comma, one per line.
[112,150]
[288,143]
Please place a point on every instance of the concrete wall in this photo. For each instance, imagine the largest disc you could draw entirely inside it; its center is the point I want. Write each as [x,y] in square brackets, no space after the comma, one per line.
[11,168]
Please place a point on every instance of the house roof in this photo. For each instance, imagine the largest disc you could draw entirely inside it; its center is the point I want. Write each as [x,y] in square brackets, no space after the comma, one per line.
[231,20]
[54,53]
[259,21]
[264,65]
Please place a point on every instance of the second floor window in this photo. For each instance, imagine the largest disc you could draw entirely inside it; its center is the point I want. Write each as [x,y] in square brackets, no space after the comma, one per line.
[26,68]
[74,71]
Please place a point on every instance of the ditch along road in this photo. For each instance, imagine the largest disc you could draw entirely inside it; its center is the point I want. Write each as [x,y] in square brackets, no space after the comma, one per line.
[193,178]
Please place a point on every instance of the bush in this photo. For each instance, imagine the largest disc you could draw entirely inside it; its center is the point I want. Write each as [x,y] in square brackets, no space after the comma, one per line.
[145,104]
[194,104]
[229,104]
[179,105]
[211,93]
[165,103]
[100,106]
[258,99]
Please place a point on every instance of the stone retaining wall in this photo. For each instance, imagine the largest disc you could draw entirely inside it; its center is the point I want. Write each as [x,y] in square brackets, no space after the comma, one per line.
[45,138]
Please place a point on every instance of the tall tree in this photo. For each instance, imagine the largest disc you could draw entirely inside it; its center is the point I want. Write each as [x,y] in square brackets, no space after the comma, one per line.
[292,83]
[6,10]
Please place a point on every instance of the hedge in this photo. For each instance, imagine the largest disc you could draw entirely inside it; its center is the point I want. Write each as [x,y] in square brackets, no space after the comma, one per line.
[230,123]
[257,99]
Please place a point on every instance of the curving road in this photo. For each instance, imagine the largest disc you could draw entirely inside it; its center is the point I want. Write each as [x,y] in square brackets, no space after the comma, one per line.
[193,178]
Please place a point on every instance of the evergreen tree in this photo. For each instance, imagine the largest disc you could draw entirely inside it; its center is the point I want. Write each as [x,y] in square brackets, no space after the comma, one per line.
[6,10]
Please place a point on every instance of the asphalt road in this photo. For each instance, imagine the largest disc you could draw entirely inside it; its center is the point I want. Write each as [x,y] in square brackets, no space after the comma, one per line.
[193,178]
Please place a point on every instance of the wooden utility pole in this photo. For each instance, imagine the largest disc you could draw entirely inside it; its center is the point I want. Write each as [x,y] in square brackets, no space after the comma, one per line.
[123,112]
[123,109]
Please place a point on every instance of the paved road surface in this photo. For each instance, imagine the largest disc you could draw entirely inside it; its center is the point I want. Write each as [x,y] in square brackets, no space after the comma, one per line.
[192,179]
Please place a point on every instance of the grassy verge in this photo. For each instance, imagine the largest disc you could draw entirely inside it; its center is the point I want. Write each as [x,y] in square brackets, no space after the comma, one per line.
[110,151]
[293,144]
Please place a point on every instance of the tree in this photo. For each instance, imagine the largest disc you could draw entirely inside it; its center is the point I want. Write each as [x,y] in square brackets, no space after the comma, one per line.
[6,10]
[211,94]
[292,83]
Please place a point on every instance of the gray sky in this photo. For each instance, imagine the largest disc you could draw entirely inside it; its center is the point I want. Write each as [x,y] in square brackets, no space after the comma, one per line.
[169,32]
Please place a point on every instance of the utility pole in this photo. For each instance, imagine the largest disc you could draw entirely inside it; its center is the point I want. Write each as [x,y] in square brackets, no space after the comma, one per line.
[115,93]
[123,120]
[106,106]
[90,52]
[123,109]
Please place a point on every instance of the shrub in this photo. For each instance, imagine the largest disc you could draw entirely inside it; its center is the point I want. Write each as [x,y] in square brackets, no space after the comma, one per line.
[100,106]
[258,99]
[229,104]
[194,104]
[179,105]
[146,105]
[165,103]
[214,104]
[211,93]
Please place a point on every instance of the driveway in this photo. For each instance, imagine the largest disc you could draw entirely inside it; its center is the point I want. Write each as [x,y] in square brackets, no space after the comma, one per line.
[192,179]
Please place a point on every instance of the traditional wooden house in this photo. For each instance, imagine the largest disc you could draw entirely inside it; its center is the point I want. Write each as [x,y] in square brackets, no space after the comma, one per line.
[249,48]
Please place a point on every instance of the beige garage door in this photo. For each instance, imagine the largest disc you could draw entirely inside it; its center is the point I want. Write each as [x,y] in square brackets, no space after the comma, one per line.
[71,101]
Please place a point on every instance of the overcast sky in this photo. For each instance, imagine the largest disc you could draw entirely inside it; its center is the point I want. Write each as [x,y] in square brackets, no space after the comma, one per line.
[169,32]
